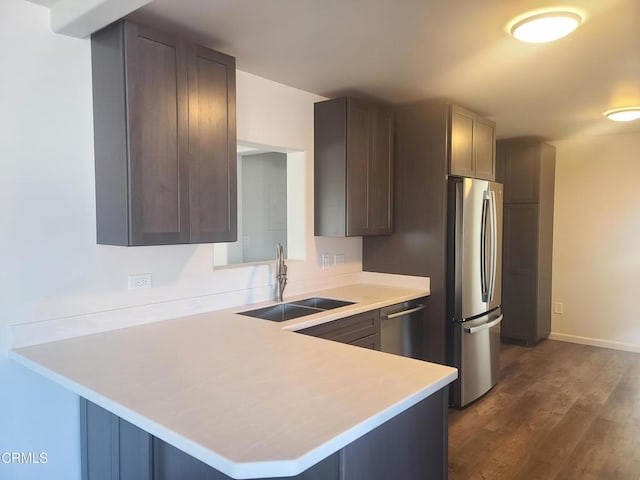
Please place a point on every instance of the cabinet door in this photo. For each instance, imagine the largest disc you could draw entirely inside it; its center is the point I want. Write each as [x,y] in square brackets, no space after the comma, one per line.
[461,147]
[372,342]
[519,272]
[112,448]
[484,149]
[158,141]
[358,161]
[212,146]
[522,172]
[381,173]
[348,330]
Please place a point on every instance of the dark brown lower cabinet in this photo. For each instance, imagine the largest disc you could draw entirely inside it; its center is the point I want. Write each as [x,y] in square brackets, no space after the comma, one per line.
[362,330]
[371,342]
[410,446]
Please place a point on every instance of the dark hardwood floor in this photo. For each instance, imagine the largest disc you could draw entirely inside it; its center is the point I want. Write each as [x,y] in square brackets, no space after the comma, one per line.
[560,412]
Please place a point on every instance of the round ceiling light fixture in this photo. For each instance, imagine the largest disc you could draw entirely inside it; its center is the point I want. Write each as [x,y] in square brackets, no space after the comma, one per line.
[545,27]
[626,114]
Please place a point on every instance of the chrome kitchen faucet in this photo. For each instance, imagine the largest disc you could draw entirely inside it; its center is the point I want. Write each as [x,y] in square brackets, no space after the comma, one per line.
[281,271]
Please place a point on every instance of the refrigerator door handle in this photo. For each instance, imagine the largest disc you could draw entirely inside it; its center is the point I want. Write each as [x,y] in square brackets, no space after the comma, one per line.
[484,326]
[484,280]
[494,244]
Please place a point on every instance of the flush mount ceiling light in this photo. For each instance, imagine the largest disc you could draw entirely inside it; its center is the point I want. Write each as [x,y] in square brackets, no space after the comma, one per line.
[545,27]
[623,114]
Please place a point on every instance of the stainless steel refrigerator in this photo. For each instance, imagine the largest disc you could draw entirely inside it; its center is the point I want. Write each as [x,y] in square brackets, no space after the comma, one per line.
[474,311]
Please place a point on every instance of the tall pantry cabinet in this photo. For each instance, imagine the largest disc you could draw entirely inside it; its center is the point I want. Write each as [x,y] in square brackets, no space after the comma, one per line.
[526,166]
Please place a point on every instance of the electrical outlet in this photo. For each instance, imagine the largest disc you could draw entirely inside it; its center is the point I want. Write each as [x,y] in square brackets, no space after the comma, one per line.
[325,261]
[142,280]
[338,259]
[558,307]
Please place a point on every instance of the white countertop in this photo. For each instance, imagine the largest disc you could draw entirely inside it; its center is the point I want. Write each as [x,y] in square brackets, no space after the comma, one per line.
[245,395]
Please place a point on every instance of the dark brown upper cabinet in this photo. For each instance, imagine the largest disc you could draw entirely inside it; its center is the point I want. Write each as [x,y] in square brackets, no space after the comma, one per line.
[165,139]
[472,151]
[520,163]
[353,168]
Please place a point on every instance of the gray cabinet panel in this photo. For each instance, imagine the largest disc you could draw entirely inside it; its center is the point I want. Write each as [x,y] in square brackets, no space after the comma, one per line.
[358,160]
[112,448]
[156,77]
[461,161]
[136,456]
[522,172]
[330,166]
[484,141]
[389,452]
[173,464]
[212,146]
[381,173]
[410,446]
[472,145]
[519,270]
[350,329]
[99,443]
[372,342]
[528,166]
[353,168]
[164,127]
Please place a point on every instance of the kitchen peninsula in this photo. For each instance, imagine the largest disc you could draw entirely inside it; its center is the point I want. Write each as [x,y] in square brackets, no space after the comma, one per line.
[220,395]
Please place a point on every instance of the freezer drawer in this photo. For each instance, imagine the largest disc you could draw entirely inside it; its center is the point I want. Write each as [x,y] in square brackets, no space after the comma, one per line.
[478,357]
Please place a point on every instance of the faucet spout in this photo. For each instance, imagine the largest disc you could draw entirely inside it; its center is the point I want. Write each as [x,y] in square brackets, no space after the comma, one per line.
[281,272]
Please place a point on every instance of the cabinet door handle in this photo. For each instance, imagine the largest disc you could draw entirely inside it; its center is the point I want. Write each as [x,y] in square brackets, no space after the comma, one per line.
[403,312]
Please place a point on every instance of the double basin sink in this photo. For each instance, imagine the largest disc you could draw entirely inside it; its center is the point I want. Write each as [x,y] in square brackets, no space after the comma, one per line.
[299,308]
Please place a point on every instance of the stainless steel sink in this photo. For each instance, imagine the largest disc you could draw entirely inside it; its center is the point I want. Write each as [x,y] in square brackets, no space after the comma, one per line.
[299,308]
[322,303]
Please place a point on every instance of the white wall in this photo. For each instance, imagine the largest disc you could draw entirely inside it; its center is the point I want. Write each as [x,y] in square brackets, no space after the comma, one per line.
[596,257]
[50,264]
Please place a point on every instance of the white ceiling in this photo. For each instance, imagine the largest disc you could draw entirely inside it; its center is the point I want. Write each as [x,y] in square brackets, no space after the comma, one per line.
[406,50]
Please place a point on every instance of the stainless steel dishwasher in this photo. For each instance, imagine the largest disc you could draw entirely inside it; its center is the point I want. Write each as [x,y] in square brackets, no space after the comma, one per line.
[402,328]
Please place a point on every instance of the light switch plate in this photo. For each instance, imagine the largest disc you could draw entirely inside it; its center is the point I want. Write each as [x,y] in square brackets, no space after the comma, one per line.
[558,307]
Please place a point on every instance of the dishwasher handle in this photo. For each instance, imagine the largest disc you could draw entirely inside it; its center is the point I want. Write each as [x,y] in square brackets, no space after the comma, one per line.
[402,313]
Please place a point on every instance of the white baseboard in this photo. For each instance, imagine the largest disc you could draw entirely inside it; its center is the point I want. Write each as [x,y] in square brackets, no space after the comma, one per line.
[595,342]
